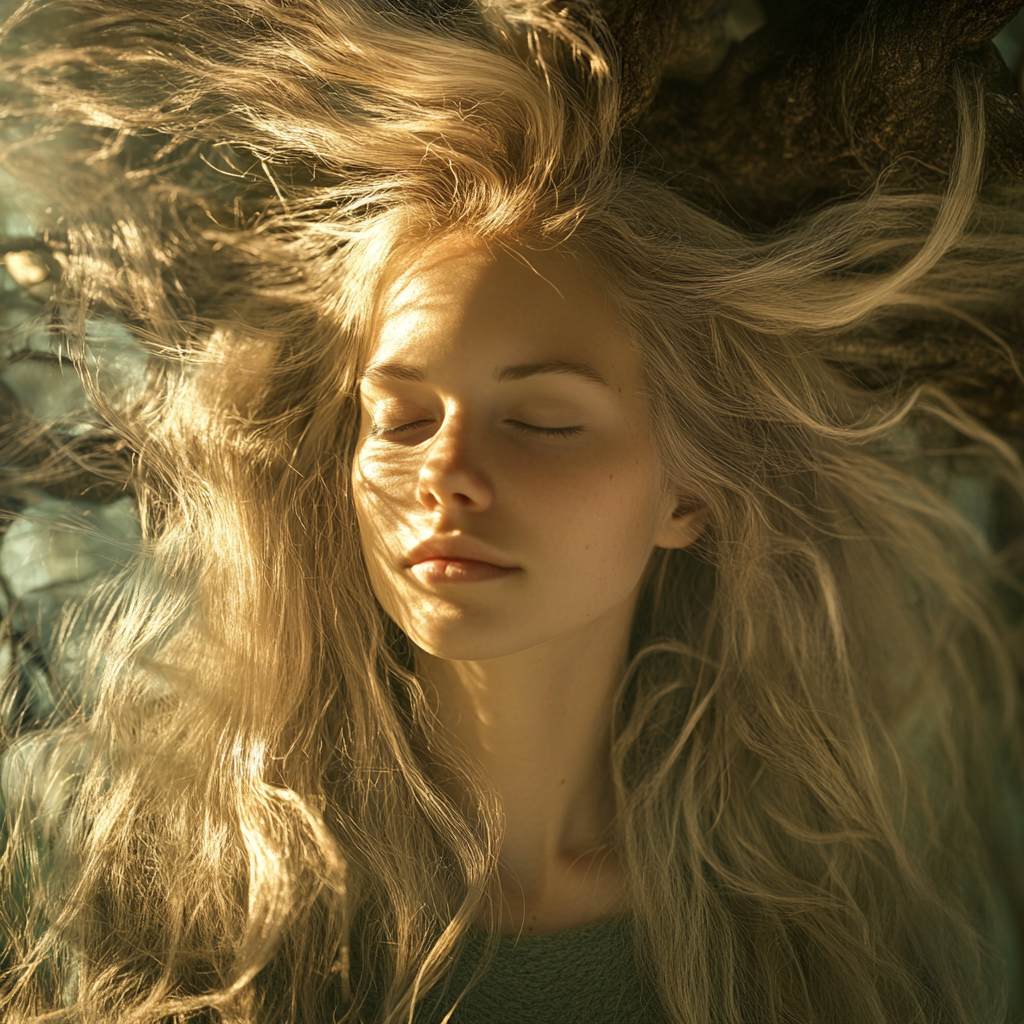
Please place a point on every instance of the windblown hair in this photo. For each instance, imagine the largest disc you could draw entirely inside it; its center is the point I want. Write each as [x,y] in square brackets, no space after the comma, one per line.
[234,807]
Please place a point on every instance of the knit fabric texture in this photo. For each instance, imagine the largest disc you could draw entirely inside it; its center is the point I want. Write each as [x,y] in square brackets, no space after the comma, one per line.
[588,975]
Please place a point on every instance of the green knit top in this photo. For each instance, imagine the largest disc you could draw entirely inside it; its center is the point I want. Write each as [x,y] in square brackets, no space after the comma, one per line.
[587,975]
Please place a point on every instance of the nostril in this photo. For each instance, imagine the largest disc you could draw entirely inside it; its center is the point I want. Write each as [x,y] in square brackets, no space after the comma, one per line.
[455,486]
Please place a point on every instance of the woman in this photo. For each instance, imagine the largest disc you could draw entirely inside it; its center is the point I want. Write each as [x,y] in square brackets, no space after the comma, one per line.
[512,560]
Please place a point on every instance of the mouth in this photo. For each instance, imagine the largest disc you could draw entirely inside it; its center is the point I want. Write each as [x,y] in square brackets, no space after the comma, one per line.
[457,559]
[458,570]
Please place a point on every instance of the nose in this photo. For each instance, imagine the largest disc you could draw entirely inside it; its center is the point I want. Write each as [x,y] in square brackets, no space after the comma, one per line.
[451,477]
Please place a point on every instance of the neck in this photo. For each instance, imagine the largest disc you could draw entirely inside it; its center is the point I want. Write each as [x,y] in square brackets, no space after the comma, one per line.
[536,724]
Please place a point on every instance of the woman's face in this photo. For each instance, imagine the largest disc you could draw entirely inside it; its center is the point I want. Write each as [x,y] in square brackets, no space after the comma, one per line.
[505,479]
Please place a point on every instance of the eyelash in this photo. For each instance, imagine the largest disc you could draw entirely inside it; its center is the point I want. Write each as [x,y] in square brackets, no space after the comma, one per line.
[529,428]
[387,431]
[518,424]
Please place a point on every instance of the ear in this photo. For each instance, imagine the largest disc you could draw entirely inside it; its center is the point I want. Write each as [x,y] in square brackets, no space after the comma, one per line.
[681,527]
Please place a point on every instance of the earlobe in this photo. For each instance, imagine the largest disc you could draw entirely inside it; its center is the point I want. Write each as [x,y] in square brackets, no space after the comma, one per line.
[682,527]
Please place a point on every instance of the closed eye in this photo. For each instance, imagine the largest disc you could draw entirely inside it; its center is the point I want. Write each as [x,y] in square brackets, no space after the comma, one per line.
[400,429]
[529,428]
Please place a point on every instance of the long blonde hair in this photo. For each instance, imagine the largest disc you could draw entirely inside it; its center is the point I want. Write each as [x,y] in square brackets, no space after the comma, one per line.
[808,742]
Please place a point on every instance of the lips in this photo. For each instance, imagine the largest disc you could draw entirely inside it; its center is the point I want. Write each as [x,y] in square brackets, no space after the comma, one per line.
[457,559]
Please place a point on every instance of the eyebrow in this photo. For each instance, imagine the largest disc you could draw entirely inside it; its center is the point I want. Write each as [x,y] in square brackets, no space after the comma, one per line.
[520,371]
[392,371]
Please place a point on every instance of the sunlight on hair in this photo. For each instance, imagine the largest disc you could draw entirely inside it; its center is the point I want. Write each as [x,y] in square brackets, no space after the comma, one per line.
[229,805]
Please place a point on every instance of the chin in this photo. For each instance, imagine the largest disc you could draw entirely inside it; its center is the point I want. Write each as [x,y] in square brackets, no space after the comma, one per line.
[460,632]
[474,638]
[468,645]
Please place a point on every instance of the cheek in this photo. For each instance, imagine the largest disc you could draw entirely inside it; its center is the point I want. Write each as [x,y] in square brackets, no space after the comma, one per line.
[603,517]
[376,488]
[381,488]
[380,477]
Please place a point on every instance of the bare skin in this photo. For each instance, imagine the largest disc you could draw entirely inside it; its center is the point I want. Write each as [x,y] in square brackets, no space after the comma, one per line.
[509,498]
[537,723]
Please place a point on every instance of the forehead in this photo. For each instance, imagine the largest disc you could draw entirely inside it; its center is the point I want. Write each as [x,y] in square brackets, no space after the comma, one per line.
[474,306]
